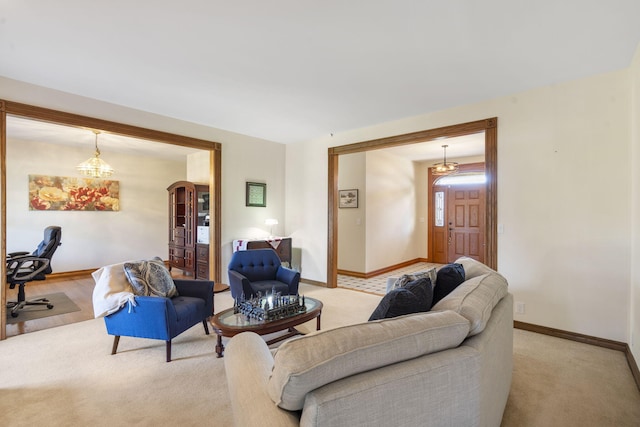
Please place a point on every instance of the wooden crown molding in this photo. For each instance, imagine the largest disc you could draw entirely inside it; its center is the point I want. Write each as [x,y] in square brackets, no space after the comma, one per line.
[77,120]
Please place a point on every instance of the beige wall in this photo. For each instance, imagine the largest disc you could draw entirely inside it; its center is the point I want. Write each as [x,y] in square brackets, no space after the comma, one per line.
[565,247]
[389,225]
[634,316]
[352,222]
[392,210]
[91,239]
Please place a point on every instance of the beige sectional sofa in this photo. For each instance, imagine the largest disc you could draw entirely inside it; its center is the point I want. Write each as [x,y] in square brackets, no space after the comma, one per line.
[447,367]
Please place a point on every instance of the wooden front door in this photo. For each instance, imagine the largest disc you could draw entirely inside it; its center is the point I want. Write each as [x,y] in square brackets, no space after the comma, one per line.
[465,221]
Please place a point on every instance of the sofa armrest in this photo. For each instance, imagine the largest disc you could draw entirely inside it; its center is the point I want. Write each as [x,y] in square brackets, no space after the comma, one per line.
[239,285]
[197,289]
[290,277]
[248,363]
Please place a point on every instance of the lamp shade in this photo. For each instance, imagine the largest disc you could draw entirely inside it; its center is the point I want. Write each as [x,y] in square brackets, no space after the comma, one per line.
[95,167]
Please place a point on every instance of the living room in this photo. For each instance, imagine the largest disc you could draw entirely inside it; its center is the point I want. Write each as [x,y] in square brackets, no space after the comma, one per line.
[568,199]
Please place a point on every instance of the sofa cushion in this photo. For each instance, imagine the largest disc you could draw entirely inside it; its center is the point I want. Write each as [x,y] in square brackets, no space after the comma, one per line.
[306,363]
[475,299]
[150,278]
[449,277]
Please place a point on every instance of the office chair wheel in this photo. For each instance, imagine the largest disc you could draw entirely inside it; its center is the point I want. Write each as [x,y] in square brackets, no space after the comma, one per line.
[49,306]
[14,314]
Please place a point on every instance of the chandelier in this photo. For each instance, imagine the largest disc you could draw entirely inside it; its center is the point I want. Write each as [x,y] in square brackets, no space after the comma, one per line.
[95,167]
[444,168]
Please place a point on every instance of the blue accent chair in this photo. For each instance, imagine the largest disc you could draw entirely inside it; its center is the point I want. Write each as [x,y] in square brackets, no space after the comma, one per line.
[164,318]
[260,270]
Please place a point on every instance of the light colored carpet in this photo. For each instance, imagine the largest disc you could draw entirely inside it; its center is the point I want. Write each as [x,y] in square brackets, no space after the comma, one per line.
[66,376]
[557,382]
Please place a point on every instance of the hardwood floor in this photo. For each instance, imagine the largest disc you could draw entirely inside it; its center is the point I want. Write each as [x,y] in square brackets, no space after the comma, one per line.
[79,289]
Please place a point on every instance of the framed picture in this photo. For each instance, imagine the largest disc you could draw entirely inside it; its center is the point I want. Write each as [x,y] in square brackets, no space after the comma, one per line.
[256,194]
[62,193]
[348,198]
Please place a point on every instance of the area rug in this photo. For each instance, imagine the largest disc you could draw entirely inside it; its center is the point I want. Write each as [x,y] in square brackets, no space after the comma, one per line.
[61,305]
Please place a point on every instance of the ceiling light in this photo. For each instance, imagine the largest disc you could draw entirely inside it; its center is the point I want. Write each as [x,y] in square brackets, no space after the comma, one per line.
[444,168]
[95,167]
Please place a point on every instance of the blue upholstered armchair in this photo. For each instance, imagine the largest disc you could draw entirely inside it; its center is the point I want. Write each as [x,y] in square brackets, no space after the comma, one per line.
[164,318]
[260,270]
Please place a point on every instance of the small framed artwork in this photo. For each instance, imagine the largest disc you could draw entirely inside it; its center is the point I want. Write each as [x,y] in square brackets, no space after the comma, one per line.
[256,194]
[348,198]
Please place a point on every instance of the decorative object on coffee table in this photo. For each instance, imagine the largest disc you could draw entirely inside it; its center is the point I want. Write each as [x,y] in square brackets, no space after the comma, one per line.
[270,307]
[230,322]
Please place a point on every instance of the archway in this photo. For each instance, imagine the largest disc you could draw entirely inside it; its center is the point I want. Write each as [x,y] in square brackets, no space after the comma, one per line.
[488,126]
[75,120]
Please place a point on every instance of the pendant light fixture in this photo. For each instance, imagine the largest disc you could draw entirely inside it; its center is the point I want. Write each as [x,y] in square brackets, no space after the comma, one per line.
[444,168]
[95,167]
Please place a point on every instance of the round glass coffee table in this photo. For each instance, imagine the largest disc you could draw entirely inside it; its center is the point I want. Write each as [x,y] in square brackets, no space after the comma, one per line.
[228,324]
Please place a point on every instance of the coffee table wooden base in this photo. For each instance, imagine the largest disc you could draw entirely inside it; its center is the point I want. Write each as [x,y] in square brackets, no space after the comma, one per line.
[224,327]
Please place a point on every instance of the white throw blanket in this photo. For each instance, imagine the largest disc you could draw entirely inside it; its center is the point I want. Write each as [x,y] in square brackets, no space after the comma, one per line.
[112,290]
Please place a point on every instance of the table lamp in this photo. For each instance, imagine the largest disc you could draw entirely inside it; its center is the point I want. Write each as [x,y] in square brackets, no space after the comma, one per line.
[271,222]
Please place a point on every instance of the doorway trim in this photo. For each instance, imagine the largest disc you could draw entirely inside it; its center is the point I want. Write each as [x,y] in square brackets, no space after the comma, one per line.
[76,120]
[488,126]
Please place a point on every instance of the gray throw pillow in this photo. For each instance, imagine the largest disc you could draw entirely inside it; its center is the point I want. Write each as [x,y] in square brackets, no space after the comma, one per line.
[150,278]
[406,278]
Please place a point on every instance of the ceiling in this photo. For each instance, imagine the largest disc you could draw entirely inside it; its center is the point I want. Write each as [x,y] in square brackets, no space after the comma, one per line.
[294,70]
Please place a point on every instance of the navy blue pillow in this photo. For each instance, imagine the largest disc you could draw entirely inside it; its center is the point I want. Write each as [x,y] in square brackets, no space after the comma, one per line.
[448,278]
[397,302]
[423,290]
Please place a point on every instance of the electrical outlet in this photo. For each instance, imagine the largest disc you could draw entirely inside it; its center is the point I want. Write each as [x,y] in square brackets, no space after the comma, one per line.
[519,308]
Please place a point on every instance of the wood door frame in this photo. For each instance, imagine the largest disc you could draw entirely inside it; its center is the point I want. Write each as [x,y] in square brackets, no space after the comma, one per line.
[80,121]
[488,126]
[466,168]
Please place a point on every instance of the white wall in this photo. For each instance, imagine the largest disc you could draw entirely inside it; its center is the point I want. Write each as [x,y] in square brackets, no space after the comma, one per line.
[388,227]
[566,247]
[91,239]
[249,161]
[352,222]
[634,316]
[392,216]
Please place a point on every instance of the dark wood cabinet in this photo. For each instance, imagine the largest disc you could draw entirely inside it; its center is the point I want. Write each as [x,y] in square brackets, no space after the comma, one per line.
[188,226]
[202,261]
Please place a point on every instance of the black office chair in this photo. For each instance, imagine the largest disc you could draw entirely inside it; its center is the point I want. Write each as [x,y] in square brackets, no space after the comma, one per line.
[23,267]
